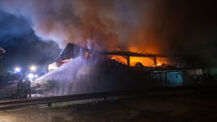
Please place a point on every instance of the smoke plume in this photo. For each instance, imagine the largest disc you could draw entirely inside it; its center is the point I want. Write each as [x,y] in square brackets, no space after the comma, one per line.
[169,27]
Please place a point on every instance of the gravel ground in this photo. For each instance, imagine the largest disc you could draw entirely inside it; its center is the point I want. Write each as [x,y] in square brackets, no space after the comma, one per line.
[198,107]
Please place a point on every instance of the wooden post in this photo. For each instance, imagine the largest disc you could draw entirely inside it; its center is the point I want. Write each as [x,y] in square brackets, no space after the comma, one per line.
[155,61]
[128,61]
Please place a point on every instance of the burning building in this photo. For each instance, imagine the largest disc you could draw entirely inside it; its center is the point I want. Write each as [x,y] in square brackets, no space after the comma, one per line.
[131,34]
[81,70]
[128,58]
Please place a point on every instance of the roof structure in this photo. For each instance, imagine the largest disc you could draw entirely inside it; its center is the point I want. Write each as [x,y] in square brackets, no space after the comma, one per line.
[72,51]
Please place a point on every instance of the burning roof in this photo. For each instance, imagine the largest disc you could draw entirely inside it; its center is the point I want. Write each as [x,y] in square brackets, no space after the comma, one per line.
[128,58]
[70,51]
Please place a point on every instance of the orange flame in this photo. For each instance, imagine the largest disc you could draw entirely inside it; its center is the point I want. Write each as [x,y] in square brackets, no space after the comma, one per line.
[145,61]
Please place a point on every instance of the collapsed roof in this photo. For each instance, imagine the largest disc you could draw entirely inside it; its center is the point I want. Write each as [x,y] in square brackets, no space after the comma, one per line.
[72,51]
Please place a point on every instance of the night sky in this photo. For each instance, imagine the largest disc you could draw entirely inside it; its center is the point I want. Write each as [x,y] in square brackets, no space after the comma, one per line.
[22,46]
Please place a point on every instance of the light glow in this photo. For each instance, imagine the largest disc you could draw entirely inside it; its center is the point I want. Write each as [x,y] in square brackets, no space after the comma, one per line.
[33,68]
[52,66]
[30,76]
[17,69]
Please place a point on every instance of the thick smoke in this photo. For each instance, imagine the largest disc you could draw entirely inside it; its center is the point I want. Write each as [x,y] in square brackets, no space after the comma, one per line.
[99,24]
[22,47]
[150,26]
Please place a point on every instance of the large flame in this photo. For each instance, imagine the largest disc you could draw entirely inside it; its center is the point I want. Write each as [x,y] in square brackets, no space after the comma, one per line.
[145,61]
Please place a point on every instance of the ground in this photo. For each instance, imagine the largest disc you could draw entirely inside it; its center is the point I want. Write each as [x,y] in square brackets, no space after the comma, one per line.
[157,108]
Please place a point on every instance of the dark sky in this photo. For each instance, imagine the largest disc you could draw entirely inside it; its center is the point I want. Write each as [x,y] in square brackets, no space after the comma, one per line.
[189,27]
[22,46]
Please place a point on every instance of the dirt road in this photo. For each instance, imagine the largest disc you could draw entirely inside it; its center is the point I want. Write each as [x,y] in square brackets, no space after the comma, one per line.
[198,107]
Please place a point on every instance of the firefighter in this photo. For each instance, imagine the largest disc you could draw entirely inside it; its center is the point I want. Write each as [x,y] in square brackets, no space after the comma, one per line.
[27,88]
[20,88]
